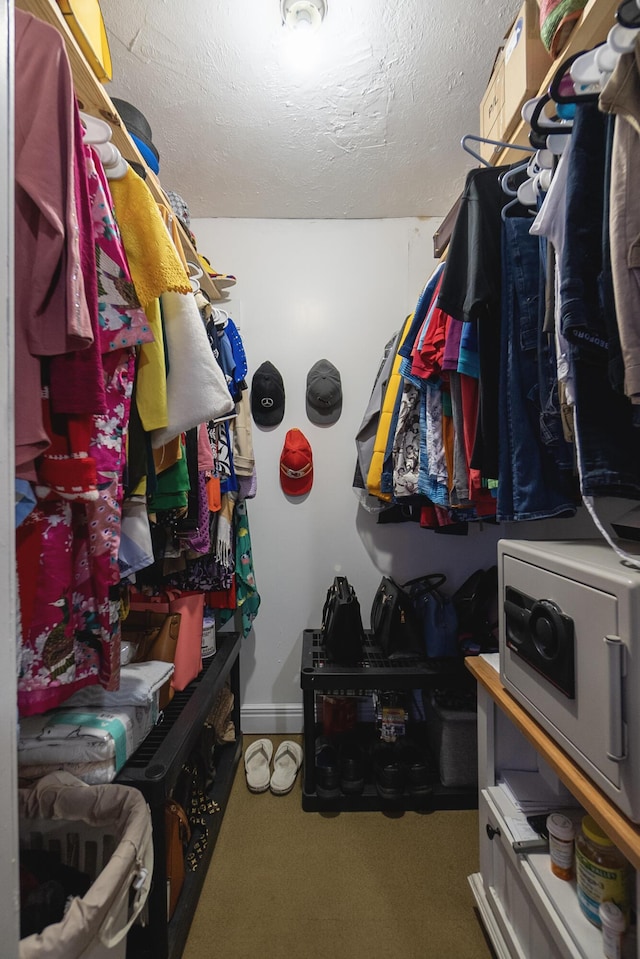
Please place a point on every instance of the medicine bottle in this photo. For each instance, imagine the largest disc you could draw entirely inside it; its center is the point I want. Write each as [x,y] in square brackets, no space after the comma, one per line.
[561,845]
[613,927]
[602,872]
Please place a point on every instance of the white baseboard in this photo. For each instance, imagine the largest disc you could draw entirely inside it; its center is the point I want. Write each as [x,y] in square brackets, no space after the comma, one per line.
[270,718]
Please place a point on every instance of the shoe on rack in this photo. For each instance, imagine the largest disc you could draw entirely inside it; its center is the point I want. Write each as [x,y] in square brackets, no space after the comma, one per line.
[389,772]
[352,767]
[327,769]
[418,770]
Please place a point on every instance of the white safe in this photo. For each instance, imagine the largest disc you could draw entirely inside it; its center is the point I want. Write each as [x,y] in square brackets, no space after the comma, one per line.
[570,654]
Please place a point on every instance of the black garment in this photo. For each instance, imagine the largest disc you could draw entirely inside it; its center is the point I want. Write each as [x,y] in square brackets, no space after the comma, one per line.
[470,291]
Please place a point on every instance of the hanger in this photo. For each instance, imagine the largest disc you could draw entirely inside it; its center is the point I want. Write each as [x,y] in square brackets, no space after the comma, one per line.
[220,317]
[98,134]
[628,14]
[195,272]
[464,143]
[505,178]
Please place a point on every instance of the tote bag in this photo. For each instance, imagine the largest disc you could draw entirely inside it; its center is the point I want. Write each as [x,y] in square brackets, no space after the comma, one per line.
[190,605]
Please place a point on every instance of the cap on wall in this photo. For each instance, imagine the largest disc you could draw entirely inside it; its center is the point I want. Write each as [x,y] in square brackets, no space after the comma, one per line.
[267,395]
[296,464]
[324,393]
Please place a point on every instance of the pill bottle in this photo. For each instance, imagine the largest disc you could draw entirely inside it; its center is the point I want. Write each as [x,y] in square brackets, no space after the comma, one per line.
[602,872]
[561,845]
[613,927]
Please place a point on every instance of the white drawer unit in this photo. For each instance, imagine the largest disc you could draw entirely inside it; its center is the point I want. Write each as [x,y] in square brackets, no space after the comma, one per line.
[528,912]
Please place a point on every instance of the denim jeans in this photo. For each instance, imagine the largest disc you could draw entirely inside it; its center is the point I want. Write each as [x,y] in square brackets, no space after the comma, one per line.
[531,485]
[609,444]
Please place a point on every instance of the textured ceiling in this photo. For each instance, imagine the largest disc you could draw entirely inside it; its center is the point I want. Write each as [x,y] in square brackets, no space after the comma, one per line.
[362,119]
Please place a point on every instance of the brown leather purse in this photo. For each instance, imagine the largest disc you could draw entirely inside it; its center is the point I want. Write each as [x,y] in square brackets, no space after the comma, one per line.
[153,636]
[177,834]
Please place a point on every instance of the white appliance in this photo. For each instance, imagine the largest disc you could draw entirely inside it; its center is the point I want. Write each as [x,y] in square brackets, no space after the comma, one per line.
[570,654]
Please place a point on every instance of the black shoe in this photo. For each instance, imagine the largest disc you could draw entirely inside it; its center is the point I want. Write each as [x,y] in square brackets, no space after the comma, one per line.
[389,772]
[327,769]
[419,774]
[351,767]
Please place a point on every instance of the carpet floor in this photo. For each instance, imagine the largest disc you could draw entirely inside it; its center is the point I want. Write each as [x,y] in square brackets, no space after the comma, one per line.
[288,883]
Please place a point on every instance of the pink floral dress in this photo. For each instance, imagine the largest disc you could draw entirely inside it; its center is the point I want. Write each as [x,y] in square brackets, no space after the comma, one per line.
[67,549]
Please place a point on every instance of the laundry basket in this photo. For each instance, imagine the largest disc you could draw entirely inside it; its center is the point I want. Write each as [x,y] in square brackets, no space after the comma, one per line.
[104,831]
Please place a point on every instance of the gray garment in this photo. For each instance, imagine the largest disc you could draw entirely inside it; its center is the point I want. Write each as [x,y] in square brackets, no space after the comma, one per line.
[621,96]
[460,488]
[366,435]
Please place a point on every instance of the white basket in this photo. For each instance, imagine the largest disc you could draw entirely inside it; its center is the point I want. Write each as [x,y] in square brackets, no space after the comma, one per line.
[104,831]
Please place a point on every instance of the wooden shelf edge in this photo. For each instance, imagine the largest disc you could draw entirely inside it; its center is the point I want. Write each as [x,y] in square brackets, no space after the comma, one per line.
[94,100]
[620,829]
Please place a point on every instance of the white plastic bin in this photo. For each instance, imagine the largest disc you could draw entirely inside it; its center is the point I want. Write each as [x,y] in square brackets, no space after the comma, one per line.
[106,832]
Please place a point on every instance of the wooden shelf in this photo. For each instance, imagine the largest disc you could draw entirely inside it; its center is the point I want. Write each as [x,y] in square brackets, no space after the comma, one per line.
[620,829]
[94,100]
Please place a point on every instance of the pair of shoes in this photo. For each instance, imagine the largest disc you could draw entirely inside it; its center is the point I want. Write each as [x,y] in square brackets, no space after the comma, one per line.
[286,763]
[401,766]
[339,768]
[352,767]
[327,769]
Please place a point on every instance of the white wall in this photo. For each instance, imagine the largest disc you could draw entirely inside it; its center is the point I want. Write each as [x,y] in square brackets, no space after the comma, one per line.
[308,290]
[339,289]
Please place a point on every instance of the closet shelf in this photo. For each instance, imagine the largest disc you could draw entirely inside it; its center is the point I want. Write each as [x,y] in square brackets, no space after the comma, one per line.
[93,99]
[595,22]
[620,829]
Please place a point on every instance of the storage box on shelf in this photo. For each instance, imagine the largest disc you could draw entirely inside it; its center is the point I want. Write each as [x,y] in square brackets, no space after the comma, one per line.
[154,769]
[595,22]
[318,675]
[520,66]
[528,911]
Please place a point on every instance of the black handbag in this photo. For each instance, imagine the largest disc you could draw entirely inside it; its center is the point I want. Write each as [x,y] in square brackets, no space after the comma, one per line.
[476,604]
[394,622]
[342,632]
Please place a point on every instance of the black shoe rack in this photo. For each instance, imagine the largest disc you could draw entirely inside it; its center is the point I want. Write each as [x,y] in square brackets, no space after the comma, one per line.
[154,769]
[318,675]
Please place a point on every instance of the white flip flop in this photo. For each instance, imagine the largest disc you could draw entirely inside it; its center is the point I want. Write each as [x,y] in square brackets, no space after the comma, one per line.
[256,765]
[286,763]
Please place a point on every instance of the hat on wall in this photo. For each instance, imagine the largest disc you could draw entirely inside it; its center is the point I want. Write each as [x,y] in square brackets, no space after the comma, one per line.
[267,395]
[324,393]
[296,464]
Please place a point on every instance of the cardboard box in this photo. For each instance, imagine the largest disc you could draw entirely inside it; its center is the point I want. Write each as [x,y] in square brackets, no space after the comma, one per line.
[492,107]
[519,69]
[526,64]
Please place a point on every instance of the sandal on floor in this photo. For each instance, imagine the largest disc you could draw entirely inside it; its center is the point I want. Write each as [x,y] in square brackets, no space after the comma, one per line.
[286,764]
[256,765]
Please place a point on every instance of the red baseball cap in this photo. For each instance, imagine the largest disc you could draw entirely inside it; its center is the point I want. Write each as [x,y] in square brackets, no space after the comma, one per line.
[296,464]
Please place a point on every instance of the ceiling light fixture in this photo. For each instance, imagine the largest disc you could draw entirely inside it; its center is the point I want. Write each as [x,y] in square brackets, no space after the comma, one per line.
[303,14]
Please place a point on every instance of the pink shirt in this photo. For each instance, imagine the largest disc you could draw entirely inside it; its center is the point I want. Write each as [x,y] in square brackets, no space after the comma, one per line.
[50,307]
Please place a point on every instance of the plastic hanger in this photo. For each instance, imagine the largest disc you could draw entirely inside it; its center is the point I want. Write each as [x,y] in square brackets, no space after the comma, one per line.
[195,272]
[628,14]
[220,317]
[464,143]
[95,130]
[505,179]
[98,134]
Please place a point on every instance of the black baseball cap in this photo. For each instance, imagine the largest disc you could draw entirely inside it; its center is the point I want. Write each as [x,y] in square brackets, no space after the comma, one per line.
[267,395]
[324,393]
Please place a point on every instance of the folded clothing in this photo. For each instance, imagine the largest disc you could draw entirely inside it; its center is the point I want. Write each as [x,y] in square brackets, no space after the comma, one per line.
[557,20]
[139,685]
[93,774]
[84,735]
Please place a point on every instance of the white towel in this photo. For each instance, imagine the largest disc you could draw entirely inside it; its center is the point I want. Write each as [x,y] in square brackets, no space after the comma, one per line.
[139,682]
[196,387]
